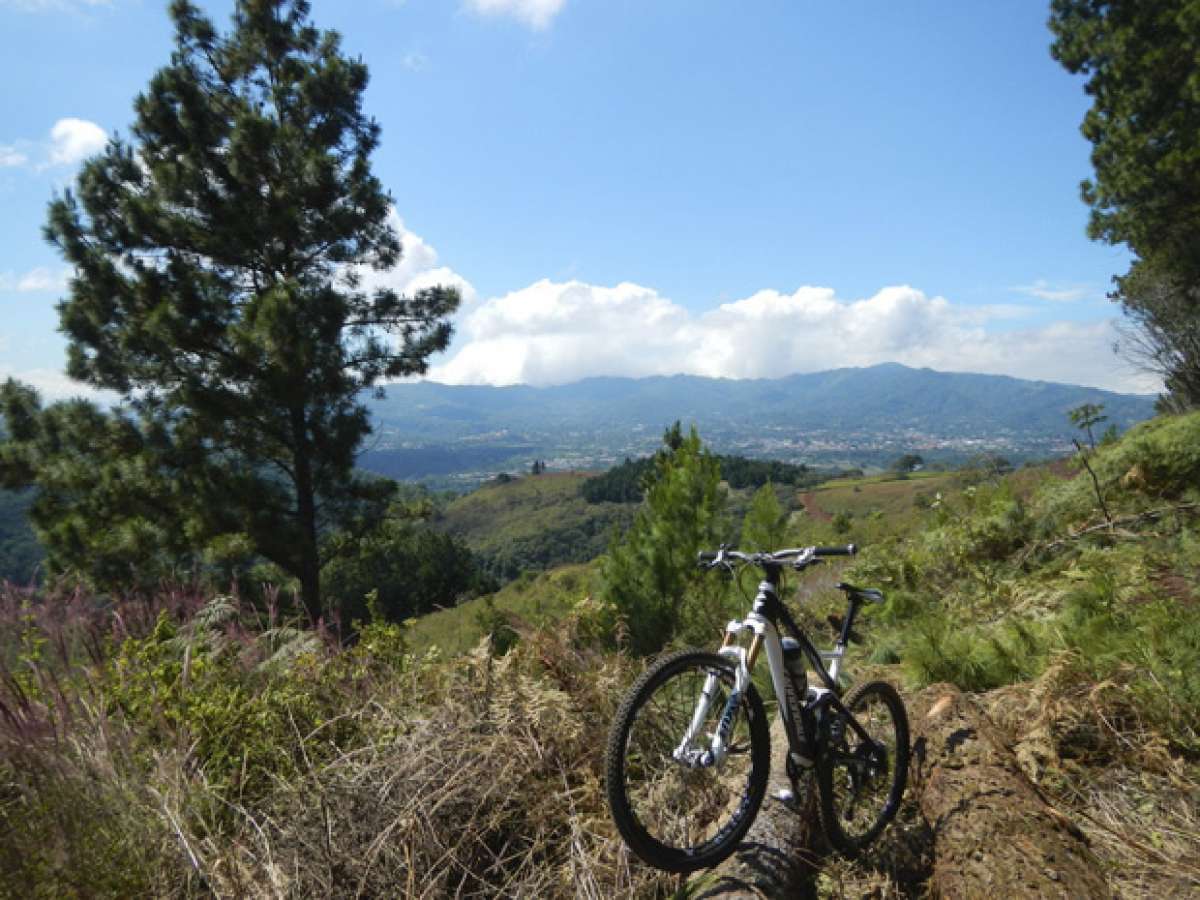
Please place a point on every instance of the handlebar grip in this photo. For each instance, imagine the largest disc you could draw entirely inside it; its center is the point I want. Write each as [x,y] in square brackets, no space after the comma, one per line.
[705,556]
[847,550]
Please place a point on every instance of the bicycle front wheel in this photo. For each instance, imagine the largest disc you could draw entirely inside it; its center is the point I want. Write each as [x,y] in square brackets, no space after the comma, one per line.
[675,807]
[861,782]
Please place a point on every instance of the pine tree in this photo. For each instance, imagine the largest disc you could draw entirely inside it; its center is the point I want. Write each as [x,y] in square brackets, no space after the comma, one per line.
[766,521]
[1139,58]
[219,255]
[650,572]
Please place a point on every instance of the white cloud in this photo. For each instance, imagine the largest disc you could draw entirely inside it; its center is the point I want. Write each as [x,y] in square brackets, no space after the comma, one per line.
[53,384]
[11,156]
[73,140]
[35,281]
[536,14]
[418,268]
[1044,290]
[70,141]
[552,333]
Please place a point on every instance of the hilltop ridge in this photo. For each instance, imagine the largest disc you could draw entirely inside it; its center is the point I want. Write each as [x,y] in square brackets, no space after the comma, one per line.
[847,416]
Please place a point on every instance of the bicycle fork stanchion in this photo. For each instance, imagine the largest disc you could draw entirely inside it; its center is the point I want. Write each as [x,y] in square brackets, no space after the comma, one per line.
[719,746]
[684,752]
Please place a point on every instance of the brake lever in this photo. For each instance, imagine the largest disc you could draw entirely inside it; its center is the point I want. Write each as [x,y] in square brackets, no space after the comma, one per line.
[806,559]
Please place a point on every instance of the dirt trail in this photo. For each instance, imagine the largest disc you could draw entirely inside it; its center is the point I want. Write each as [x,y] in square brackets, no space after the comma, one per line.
[813,509]
[970,807]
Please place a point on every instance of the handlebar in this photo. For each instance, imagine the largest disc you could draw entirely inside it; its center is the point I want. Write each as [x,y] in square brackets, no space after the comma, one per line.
[799,557]
[844,550]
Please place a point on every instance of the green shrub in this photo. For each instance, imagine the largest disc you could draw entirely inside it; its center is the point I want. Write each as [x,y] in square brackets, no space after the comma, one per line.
[941,648]
[1153,462]
[1117,619]
[245,708]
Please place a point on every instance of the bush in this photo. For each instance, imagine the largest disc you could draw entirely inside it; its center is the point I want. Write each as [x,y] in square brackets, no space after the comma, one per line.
[1153,462]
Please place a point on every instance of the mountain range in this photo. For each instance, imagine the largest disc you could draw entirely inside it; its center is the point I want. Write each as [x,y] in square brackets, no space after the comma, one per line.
[850,415]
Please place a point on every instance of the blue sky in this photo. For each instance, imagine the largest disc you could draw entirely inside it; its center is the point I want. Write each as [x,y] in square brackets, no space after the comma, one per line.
[730,189]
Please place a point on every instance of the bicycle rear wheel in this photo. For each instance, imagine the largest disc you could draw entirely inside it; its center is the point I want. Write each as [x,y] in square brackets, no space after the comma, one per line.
[674,810]
[861,782]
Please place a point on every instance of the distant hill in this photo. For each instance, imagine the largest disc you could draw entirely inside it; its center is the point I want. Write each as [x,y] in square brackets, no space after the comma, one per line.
[532,523]
[859,416]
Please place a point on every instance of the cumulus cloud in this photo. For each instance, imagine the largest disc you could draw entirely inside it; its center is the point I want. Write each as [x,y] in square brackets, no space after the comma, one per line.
[74,140]
[1044,290]
[34,281]
[70,142]
[419,268]
[552,333]
[536,14]
[11,156]
[54,385]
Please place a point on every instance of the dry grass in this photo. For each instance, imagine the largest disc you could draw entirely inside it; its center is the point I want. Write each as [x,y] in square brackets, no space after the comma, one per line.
[495,792]
[1089,748]
[477,777]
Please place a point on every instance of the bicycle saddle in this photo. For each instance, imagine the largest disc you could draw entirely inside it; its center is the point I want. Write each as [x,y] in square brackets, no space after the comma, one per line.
[871,594]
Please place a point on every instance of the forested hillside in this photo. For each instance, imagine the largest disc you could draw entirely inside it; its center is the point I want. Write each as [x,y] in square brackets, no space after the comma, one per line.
[532,523]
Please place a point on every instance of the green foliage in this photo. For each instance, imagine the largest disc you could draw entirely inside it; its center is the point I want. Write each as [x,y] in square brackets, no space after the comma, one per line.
[104,481]
[531,524]
[627,482]
[20,554]
[765,522]
[940,647]
[1144,125]
[842,522]
[1156,461]
[535,600]
[1117,618]
[496,626]
[741,472]
[219,257]
[193,687]
[407,568]
[985,467]
[1087,417]
[976,597]
[907,463]
[650,574]
[620,484]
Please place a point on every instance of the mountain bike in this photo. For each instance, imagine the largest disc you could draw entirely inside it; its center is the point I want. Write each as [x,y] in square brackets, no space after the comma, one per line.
[689,751]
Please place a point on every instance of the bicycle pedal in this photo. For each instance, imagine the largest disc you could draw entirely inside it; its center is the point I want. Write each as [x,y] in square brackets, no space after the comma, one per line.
[801,763]
[788,798]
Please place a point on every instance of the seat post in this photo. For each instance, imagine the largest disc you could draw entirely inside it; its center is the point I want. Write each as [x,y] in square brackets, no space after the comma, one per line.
[848,621]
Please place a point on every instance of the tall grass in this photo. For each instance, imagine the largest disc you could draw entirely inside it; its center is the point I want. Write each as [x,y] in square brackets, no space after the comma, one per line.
[175,746]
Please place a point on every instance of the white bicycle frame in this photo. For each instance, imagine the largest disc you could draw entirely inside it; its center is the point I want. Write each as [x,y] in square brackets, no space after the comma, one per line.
[763,634]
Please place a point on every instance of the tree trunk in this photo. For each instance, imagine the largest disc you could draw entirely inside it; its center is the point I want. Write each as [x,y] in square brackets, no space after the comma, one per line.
[306,515]
[777,858]
[994,833]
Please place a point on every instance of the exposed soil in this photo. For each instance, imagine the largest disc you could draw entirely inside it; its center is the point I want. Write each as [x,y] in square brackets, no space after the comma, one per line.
[812,508]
